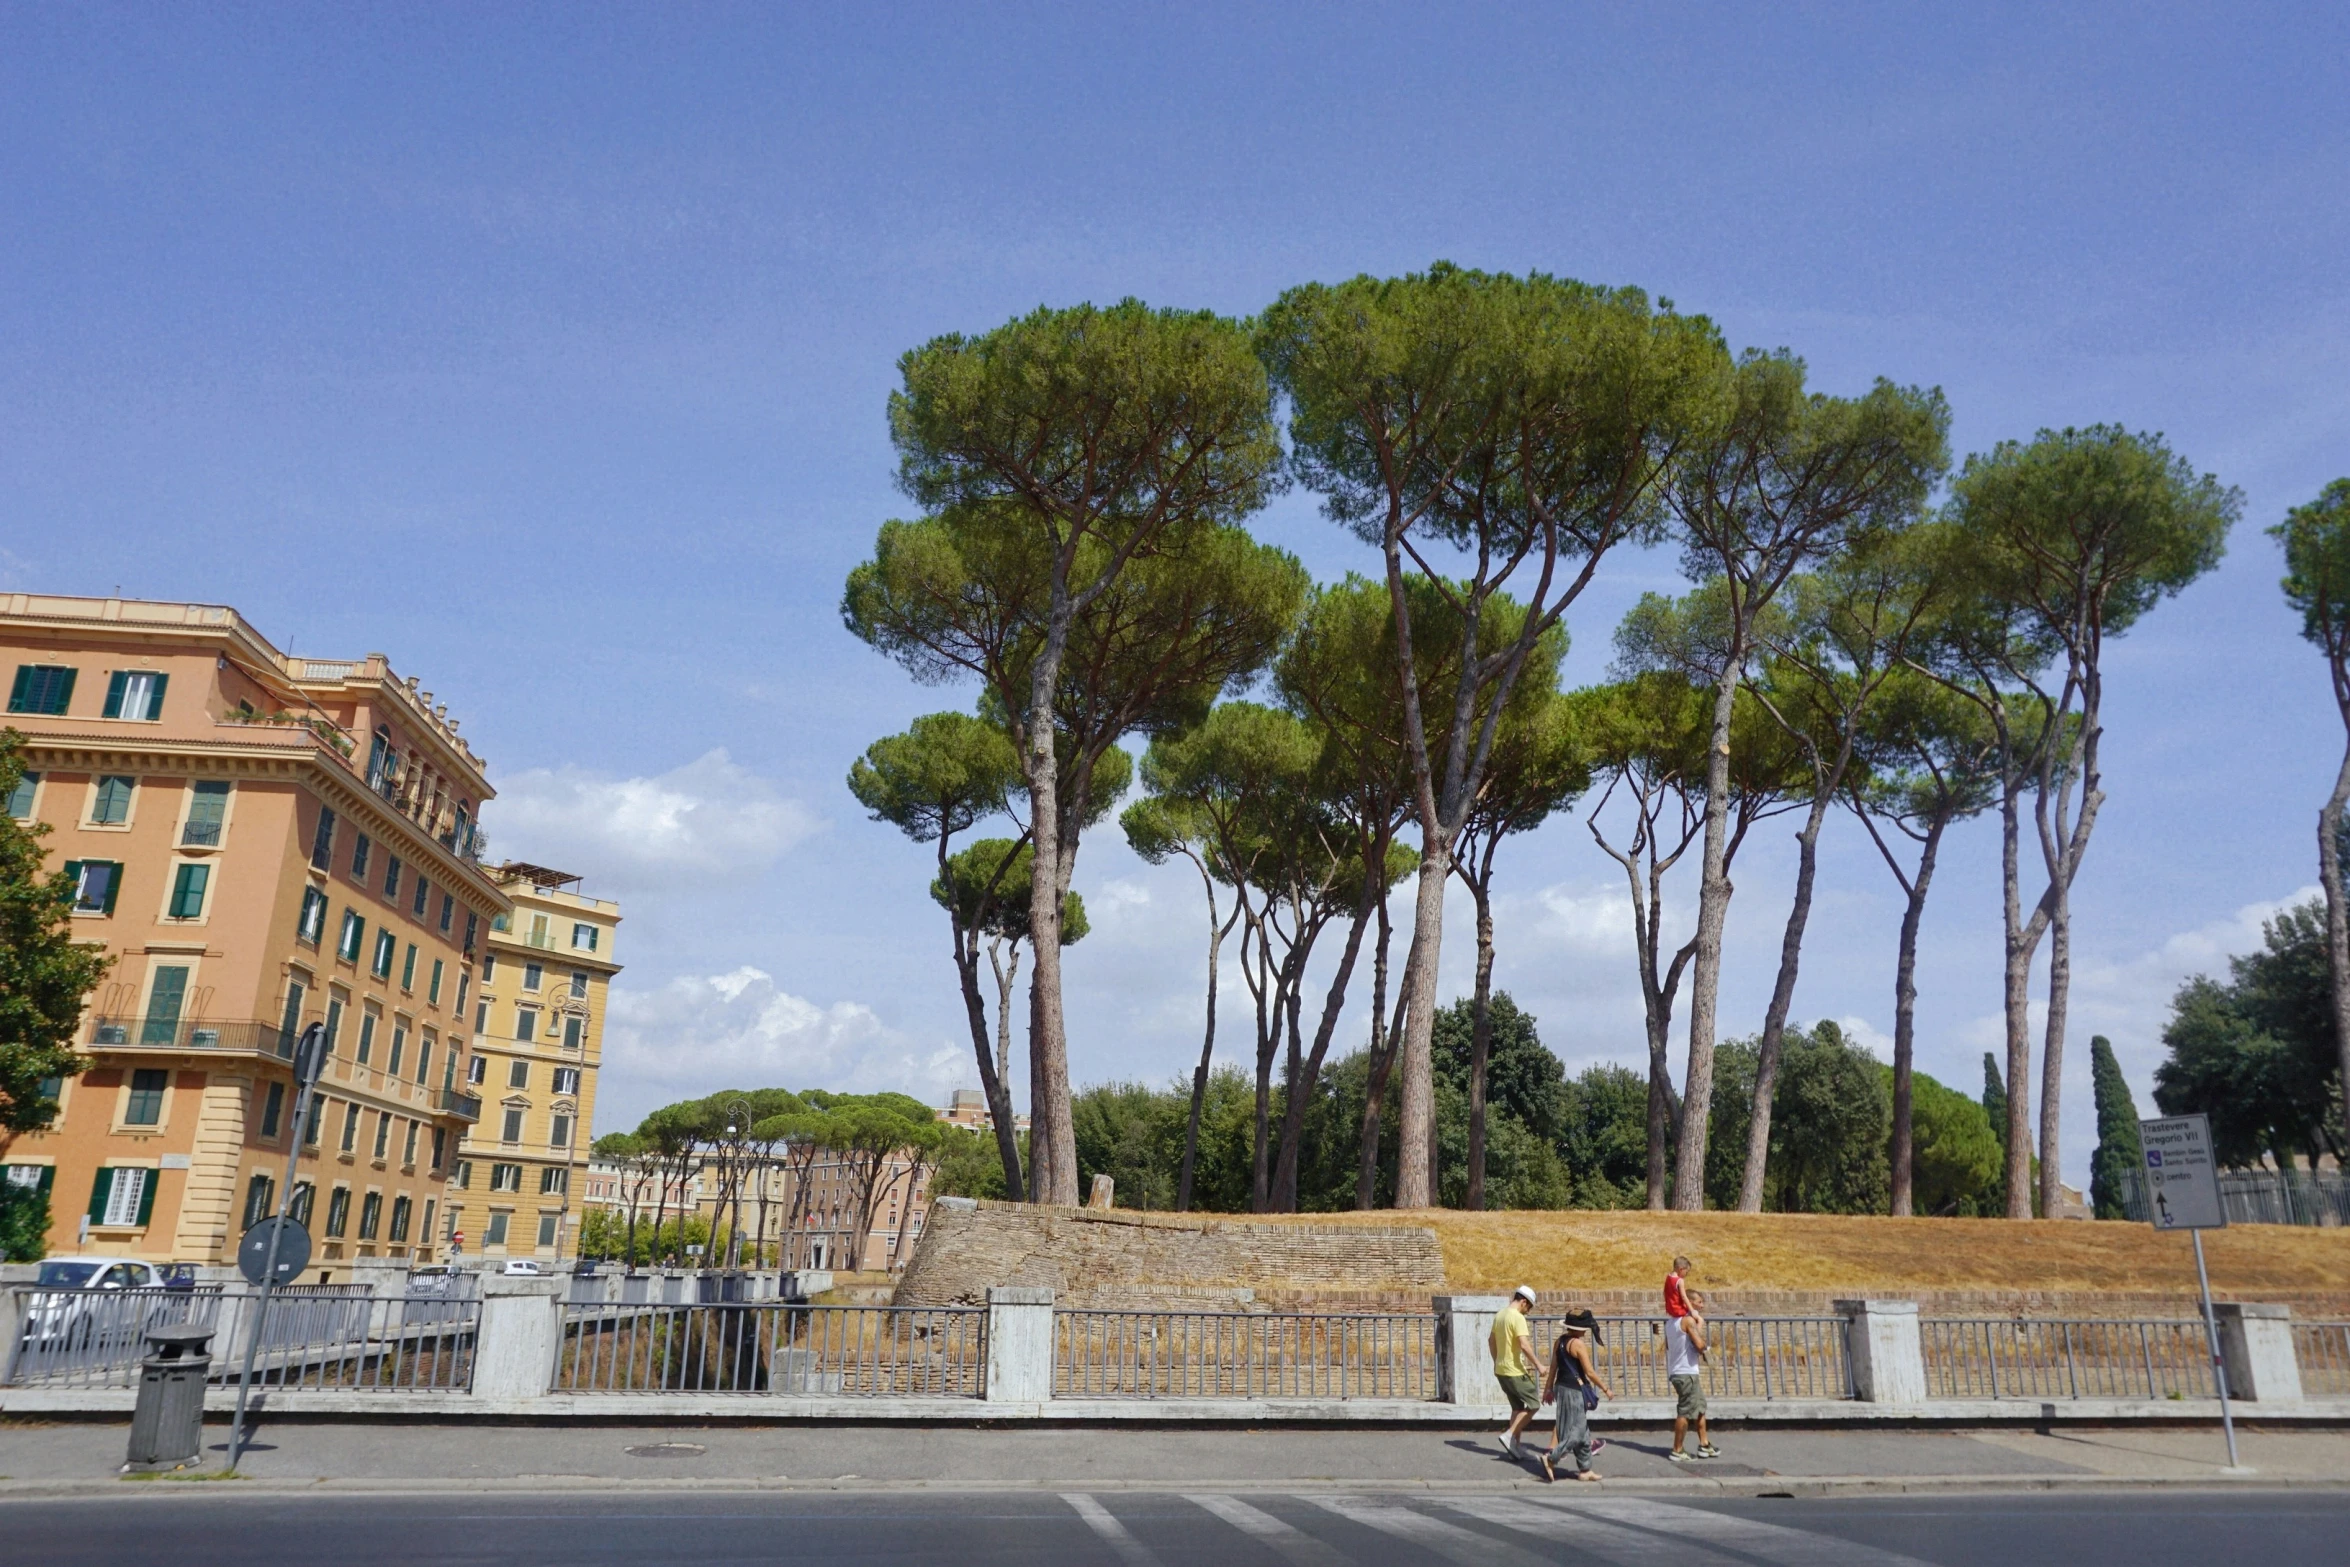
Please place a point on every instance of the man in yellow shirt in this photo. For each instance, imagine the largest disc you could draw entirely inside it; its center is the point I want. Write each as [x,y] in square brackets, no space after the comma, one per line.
[1513,1366]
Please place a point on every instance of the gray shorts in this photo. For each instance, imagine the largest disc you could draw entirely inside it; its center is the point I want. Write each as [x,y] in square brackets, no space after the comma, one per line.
[1689,1398]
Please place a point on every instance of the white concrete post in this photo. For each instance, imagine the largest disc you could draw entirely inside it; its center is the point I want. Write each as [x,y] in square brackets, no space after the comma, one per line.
[1888,1360]
[1019,1345]
[521,1331]
[2256,1343]
[1464,1351]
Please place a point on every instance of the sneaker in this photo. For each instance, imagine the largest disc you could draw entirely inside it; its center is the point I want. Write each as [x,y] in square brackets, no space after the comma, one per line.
[1598,1443]
[1677,1456]
[1709,1451]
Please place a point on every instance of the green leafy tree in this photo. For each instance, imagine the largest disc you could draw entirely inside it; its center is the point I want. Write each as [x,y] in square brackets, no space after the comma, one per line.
[967,1166]
[1828,1143]
[45,975]
[1522,427]
[1955,1159]
[2120,1156]
[1604,1136]
[2060,545]
[2316,540]
[1523,1078]
[1066,449]
[1790,478]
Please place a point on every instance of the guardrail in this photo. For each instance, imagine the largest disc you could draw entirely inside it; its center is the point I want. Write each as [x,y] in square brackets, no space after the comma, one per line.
[772,1347]
[2322,1351]
[1745,1357]
[1215,1354]
[317,1336]
[2017,1357]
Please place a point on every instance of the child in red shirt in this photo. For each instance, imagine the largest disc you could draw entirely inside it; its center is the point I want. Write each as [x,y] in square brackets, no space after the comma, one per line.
[1676,1293]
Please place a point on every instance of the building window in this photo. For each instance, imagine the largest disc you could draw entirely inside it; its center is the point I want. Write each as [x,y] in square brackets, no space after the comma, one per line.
[257,1200]
[399,1046]
[350,1126]
[354,934]
[464,988]
[547,1223]
[476,1070]
[489,967]
[481,1017]
[95,883]
[408,969]
[360,849]
[554,1179]
[322,841]
[424,1057]
[136,694]
[462,1176]
[501,922]
[518,1075]
[111,805]
[367,1021]
[20,806]
[338,1211]
[574,1032]
[392,877]
[299,1209]
[41,688]
[312,923]
[432,992]
[448,912]
[371,1215]
[272,1109]
[334,1022]
[559,1131]
[532,974]
[187,891]
[472,931]
[383,1134]
[207,814]
[145,1106]
[583,938]
[579,984]
[513,1129]
[383,763]
[164,998]
[317,1113]
[440,1145]
[386,948]
[423,895]
[496,1234]
[567,1080]
[526,1024]
[400,1218]
[426,1231]
[408,1144]
[505,1177]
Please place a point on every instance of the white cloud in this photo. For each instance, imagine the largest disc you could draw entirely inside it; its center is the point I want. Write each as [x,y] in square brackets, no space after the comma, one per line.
[704,1032]
[709,818]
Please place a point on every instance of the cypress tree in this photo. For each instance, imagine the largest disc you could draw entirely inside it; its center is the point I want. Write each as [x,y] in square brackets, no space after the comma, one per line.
[2119,1153]
[1995,1098]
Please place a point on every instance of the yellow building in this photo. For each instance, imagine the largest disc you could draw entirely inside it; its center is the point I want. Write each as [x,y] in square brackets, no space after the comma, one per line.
[261,842]
[538,1036]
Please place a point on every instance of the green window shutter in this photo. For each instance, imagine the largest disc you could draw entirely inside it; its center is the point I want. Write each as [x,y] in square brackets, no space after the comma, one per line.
[99,1191]
[163,1006]
[147,1196]
[48,1180]
[113,882]
[62,700]
[155,699]
[187,891]
[114,684]
[73,878]
[22,689]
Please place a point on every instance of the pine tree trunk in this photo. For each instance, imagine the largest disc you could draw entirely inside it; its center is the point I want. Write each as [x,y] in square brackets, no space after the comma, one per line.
[1480,1045]
[1303,1081]
[1416,1114]
[1051,1142]
[2329,873]
[1905,1007]
[1713,908]
[1382,1061]
[2060,975]
[1774,1033]
[1207,1051]
[2017,979]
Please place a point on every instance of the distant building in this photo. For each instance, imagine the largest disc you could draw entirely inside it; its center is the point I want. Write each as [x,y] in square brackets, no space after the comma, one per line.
[967,1108]
[538,1037]
[262,842]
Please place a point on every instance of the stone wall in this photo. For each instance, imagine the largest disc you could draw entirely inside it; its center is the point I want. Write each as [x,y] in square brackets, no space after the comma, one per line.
[1115,1257]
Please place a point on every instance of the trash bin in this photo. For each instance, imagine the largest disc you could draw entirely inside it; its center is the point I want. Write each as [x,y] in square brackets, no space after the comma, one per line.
[167,1425]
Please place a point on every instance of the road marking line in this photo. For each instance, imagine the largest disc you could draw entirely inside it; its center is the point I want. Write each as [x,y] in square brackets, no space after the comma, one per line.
[1569,1524]
[1294,1543]
[1450,1541]
[1130,1550]
[1748,1536]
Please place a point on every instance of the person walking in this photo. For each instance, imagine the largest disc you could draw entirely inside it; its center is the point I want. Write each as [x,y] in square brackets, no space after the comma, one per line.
[1513,1366]
[1572,1389]
[1685,1370]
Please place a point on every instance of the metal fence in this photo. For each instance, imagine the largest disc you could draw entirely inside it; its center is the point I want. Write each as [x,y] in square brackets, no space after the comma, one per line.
[1745,1357]
[2323,1351]
[2310,1197]
[773,1347]
[317,1337]
[2012,1357]
[1223,1354]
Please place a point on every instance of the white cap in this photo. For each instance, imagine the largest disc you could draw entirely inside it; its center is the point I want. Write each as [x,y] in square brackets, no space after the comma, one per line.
[1525,1290]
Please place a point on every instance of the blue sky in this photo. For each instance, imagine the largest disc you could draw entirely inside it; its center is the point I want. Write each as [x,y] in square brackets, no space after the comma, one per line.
[545,349]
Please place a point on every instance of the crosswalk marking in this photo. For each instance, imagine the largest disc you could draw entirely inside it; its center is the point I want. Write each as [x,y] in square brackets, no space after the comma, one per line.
[1450,1541]
[1130,1550]
[1769,1542]
[1294,1543]
[1572,1525]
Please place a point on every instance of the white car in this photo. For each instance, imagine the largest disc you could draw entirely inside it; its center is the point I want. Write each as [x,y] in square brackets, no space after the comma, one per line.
[81,1306]
[521,1265]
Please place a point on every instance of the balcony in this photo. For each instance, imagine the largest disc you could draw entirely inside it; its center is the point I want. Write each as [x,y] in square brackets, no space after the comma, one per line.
[200,835]
[244,1035]
[466,1107]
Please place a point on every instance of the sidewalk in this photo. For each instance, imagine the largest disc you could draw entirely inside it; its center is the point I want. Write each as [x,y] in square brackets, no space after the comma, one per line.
[80,1458]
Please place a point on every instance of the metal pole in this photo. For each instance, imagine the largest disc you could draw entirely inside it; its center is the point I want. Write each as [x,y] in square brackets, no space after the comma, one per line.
[277,1233]
[2219,1365]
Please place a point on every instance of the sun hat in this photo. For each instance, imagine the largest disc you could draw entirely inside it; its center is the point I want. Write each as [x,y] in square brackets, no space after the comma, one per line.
[1585,1321]
[1526,1291]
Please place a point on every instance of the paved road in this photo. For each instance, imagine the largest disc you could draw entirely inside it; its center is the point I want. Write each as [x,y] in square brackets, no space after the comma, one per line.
[1210,1529]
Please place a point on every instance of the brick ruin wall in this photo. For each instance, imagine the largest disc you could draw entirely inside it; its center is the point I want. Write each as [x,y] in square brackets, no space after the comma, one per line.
[1115,1257]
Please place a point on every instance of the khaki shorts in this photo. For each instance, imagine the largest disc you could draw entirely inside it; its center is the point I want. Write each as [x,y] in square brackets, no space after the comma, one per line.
[1689,1396]
[1523,1395]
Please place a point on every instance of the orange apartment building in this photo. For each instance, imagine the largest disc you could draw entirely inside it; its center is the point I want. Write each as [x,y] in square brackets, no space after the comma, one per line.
[261,842]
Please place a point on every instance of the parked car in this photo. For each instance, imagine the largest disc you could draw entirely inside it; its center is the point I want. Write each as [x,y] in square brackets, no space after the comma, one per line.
[100,1308]
[521,1265]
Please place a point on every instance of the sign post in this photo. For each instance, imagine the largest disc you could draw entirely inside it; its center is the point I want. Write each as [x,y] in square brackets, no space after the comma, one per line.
[285,1252]
[2182,1193]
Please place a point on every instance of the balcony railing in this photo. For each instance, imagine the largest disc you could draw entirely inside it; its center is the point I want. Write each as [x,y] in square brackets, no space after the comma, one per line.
[117,1033]
[466,1107]
[200,835]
